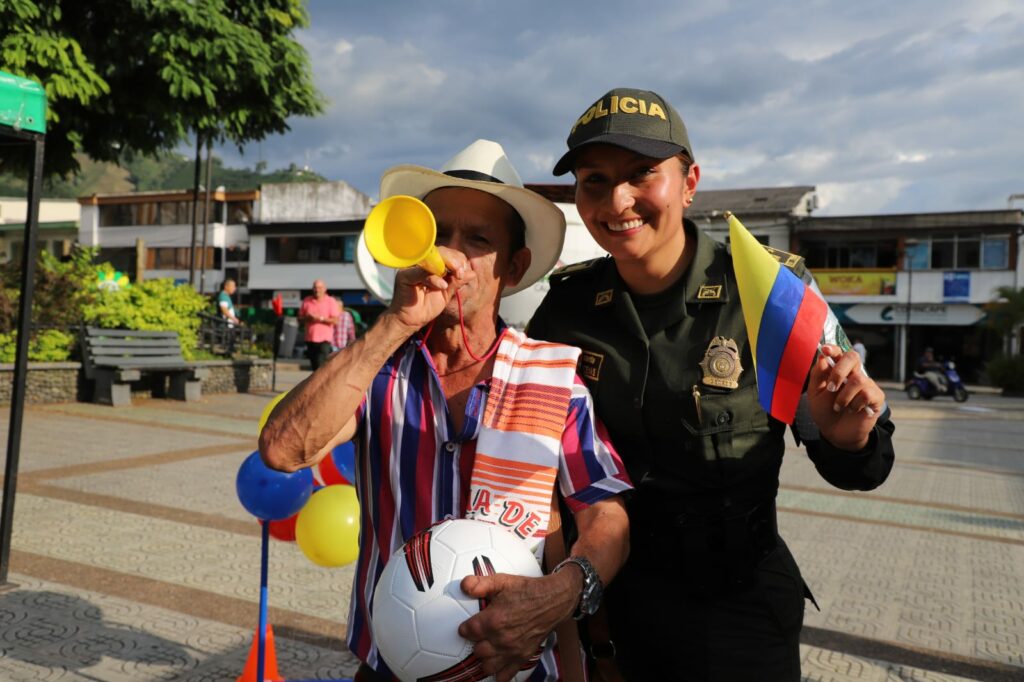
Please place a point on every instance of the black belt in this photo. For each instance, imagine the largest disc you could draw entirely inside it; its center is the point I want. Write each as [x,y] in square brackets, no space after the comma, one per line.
[716,553]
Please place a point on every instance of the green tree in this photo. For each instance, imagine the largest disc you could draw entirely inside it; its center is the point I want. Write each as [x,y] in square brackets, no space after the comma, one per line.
[135,77]
[63,288]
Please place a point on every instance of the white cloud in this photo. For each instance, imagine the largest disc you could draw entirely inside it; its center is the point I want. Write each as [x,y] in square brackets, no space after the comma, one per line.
[541,163]
[852,198]
[909,106]
[343,47]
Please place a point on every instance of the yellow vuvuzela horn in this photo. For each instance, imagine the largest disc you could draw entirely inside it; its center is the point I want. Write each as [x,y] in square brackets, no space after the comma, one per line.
[400,232]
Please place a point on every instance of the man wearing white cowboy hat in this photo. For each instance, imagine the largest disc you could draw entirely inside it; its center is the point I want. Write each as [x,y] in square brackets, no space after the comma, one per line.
[439,394]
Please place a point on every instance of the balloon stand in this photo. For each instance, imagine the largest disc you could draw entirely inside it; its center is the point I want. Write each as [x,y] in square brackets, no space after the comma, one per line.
[262,661]
[324,525]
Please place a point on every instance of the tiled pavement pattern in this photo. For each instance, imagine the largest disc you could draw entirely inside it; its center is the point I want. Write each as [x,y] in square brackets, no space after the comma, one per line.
[134,561]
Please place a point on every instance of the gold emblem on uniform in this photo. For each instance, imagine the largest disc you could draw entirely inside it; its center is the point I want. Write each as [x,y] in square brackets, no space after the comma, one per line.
[604,297]
[590,365]
[790,260]
[721,363]
[709,292]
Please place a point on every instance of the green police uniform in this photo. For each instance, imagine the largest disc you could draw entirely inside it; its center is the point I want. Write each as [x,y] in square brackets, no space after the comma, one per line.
[710,591]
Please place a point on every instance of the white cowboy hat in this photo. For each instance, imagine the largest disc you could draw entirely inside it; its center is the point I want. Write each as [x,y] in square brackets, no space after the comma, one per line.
[484,166]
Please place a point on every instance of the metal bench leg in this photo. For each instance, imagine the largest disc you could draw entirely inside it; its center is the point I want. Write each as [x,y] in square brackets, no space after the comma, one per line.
[183,387]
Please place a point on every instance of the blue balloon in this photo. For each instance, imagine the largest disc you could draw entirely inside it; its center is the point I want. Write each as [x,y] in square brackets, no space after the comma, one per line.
[269,494]
[344,456]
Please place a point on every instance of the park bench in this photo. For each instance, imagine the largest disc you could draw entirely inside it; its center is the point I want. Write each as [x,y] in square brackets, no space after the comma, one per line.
[114,358]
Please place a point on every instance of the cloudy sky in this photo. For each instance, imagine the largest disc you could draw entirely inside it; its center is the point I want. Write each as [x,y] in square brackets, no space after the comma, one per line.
[914,105]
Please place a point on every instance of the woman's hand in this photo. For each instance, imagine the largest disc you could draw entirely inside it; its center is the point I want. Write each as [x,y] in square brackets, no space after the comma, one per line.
[845,403]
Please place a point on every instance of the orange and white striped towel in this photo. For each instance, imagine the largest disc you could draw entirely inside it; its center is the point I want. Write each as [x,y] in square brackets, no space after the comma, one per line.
[519,443]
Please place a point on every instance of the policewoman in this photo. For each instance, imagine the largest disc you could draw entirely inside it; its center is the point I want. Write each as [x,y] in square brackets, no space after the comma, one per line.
[710,590]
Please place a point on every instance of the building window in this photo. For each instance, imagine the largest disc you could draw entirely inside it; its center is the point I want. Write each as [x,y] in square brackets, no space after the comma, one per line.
[962,252]
[917,255]
[968,252]
[113,215]
[995,252]
[54,247]
[943,253]
[239,273]
[177,258]
[176,212]
[328,249]
[237,254]
[850,254]
[239,212]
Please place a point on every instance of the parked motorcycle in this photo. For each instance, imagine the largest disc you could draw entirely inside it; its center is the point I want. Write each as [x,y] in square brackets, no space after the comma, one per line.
[919,386]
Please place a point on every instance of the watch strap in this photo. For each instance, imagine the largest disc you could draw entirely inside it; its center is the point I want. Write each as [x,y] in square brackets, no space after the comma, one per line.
[590,594]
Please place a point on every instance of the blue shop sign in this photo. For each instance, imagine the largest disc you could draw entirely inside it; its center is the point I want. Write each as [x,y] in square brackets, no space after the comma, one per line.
[956,285]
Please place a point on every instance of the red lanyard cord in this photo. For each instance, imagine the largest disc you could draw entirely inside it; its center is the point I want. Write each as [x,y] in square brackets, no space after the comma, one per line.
[465,338]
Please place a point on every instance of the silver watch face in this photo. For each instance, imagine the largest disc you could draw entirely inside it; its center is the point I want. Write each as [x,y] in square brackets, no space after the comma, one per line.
[590,599]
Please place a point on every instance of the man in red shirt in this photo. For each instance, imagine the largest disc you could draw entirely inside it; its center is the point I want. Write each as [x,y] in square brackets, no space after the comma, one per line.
[319,313]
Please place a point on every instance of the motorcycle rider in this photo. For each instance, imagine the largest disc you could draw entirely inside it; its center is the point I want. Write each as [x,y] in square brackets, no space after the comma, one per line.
[931,369]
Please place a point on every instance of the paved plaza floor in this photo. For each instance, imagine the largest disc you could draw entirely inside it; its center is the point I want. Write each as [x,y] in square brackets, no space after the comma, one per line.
[133,559]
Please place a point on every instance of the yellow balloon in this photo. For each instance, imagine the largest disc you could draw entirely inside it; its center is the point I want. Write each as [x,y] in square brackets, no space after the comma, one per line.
[268,409]
[327,530]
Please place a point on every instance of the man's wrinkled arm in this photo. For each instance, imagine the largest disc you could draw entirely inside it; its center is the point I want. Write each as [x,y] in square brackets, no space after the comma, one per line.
[320,412]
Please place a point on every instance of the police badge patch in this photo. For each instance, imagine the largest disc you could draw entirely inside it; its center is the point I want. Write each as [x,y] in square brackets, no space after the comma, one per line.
[590,365]
[721,364]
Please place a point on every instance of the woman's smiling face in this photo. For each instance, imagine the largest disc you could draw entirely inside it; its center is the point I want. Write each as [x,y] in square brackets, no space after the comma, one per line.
[633,205]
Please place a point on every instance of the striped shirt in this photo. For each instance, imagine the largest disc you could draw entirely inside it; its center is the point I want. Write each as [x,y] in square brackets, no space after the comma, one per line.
[413,470]
[345,330]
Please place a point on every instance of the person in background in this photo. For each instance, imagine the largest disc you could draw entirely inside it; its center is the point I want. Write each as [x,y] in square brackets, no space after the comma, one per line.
[931,369]
[710,592]
[319,313]
[862,351]
[345,330]
[225,305]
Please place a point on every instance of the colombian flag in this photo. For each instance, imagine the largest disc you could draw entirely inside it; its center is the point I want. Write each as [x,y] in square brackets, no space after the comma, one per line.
[784,318]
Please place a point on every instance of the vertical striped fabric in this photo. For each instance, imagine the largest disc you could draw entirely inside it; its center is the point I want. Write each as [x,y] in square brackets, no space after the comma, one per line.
[413,470]
[784,319]
[518,450]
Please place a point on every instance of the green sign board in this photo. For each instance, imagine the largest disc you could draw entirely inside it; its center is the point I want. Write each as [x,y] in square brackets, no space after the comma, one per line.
[22,103]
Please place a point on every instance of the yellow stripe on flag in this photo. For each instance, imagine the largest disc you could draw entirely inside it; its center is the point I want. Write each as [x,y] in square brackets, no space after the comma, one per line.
[756,272]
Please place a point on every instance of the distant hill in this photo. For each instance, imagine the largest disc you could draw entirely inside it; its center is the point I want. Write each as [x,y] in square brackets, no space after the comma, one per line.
[170,171]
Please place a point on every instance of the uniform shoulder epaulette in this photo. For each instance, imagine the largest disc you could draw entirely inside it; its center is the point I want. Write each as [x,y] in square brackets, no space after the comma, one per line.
[790,260]
[566,271]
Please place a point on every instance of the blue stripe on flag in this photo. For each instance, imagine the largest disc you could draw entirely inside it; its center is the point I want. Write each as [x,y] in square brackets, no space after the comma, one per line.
[777,320]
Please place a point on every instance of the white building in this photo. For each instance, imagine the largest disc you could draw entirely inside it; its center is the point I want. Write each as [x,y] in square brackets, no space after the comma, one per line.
[58,226]
[151,233]
[305,231]
[905,282]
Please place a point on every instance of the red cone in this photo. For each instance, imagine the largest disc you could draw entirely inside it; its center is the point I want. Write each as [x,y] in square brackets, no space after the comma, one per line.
[269,656]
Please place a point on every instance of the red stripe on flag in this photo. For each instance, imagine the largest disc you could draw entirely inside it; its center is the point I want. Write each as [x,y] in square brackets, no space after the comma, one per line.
[797,356]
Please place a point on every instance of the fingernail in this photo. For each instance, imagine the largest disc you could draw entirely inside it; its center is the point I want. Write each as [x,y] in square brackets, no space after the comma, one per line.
[832,388]
[836,408]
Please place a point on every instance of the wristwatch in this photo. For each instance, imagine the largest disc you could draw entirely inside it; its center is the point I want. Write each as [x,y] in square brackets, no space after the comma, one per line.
[593,589]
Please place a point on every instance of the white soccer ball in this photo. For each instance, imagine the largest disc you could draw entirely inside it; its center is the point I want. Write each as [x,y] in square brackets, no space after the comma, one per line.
[418,604]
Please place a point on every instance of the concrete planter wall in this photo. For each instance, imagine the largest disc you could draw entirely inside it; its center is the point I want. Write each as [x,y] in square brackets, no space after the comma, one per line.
[62,382]
[46,382]
[236,376]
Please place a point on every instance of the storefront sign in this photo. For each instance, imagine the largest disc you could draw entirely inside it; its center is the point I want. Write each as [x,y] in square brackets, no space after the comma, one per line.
[856,282]
[956,286]
[290,298]
[952,314]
